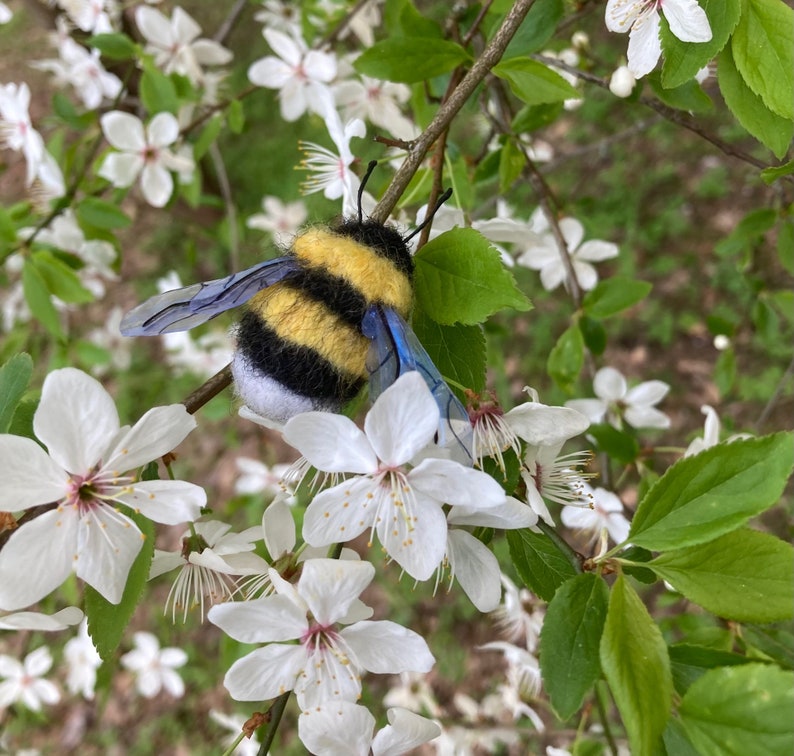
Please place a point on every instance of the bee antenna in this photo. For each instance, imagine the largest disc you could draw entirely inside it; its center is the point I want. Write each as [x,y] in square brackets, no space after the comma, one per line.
[370,168]
[441,200]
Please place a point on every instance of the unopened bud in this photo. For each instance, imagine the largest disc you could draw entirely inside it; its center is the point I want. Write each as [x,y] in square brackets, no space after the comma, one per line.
[622,82]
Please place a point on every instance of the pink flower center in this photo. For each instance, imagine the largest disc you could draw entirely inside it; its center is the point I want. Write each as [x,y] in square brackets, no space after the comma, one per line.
[319,637]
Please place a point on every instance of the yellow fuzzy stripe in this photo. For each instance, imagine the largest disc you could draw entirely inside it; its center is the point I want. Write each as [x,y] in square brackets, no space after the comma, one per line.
[304,322]
[375,277]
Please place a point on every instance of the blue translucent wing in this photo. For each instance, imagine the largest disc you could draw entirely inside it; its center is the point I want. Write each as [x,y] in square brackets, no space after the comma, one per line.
[395,350]
[182,309]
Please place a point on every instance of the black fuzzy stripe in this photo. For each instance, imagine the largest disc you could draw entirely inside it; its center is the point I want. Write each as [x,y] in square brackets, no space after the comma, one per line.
[336,294]
[299,368]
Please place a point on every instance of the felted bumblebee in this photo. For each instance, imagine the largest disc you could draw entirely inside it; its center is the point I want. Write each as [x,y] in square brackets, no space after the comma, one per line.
[321,320]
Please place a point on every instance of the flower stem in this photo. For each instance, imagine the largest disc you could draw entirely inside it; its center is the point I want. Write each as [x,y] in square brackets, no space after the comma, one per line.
[276,712]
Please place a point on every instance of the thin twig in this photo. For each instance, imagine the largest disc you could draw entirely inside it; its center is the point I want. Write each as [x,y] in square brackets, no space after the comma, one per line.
[773,400]
[419,148]
[335,33]
[231,210]
[228,24]
[208,390]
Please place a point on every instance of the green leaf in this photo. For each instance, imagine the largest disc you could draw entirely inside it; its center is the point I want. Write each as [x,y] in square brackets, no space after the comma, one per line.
[542,565]
[635,663]
[22,421]
[533,117]
[712,493]
[410,59]
[106,621]
[689,663]
[95,212]
[536,29]
[458,351]
[569,642]
[636,554]
[774,642]
[676,742]
[14,378]
[614,295]
[461,279]
[741,710]
[725,371]
[511,163]
[763,49]
[770,175]
[235,116]
[767,127]
[785,244]
[114,46]
[594,334]
[748,232]
[682,60]
[745,576]
[61,280]
[208,135]
[65,110]
[688,96]
[157,91]
[413,24]
[38,298]
[566,358]
[534,83]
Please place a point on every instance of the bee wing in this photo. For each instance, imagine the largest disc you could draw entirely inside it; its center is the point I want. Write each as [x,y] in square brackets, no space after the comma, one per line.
[395,350]
[182,309]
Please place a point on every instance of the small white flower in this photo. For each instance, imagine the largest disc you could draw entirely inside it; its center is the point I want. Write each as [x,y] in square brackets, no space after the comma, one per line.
[301,75]
[143,153]
[256,477]
[16,131]
[414,693]
[280,15]
[385,494]
[517,617]
[155,667]
[330,171]
[377,102]
[547,256]
[602,509]
[84,473]
[208,557]
[641,18]
[637,406]
[83,661]
[175,43]
[23,682]
[721,342]
[346,729]
[282,220]
[622,82]
[711,433]
[5,14]
[327,663]
[91,15]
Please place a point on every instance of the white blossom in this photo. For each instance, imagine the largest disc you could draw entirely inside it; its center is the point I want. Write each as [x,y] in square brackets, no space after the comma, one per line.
[327,663]
[155,667]
[83,474]
[282,220]
[603,510]
[257,477]
[23,682]
[377,102]
[301,75]
[175,43]
[83,661]
[93,16]
[615,400]
[622,82]
[142,152]
[402,503]
[641,18]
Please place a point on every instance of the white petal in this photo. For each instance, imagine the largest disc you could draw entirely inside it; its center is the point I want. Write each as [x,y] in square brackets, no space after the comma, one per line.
[340,514]
[184,25]
[403,420]
[538,424]
[535,501]
[278,526]
[647,393]
[168,501]
[28,476]
[121,168]
[586,275]
[596,250]
[44,622]
[331,443]
[388,648]
[76,419]
[621,14]
[211,53]
[336,728]
[265,673]
[162,130]
[38,662]
[609,384]
[573,232]
[552,276]
[158,432]
[156,184]
[330,586]
[452,483]
[688,21]
[645,47]
[107,546]
[511,515]
[476,569]
[646,417]
[284,46]
[404,732]
[154,26]
[320,66]
[593,409]
[273,618]
[37,558]
[124,131]
[269,72]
